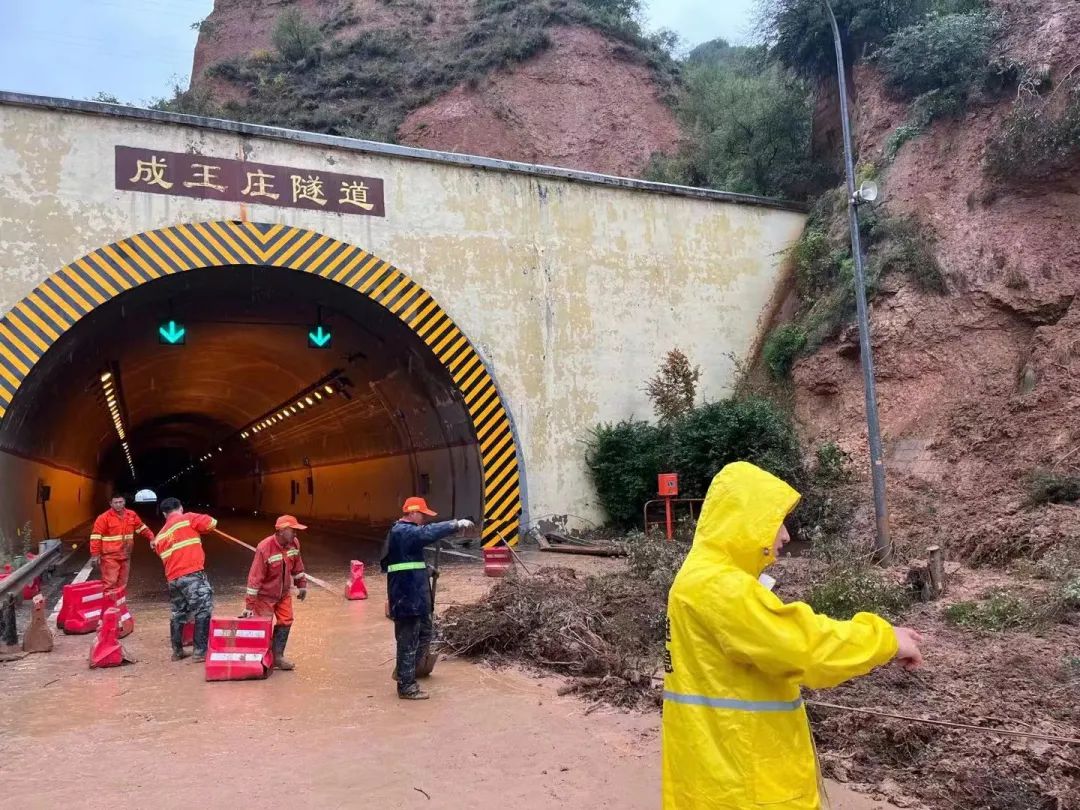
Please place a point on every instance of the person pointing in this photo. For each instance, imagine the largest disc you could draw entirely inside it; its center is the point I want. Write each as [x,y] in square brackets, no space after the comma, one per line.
[408,587]
[735,731]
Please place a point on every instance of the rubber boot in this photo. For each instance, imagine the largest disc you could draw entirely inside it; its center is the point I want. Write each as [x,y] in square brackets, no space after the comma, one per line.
[281,638]
[202,638]
[176,638]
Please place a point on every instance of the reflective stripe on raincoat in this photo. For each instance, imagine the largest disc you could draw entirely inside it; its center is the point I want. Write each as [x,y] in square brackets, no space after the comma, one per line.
[735,733]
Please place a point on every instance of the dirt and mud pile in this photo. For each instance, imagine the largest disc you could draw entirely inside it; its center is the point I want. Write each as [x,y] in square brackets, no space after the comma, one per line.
[606,632]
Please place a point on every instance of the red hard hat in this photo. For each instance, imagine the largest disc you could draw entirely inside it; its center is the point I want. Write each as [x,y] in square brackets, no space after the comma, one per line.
[418,505]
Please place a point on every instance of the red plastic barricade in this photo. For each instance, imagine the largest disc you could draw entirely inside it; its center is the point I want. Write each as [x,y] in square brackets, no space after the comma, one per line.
[81,611]
[239,649]
[356,588]
[107,651]
[29,590]
[119,601]
[188,634]
[497,561]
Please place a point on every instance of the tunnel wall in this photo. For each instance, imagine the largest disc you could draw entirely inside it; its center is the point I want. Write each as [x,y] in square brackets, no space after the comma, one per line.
[572,288]
[368,491]
[75,499]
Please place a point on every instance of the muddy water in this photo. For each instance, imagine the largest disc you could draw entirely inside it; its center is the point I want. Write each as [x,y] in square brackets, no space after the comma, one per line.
[331,734]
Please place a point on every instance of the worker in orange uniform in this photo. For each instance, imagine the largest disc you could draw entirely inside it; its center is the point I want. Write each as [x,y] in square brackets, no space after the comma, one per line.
[112,539]
[179,544]
[276,568]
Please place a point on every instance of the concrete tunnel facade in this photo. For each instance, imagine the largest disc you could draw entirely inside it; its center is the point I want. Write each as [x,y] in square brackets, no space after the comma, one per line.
[485,316]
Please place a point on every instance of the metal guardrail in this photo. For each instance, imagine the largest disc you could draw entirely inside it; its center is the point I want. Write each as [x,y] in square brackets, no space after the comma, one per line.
[48,555]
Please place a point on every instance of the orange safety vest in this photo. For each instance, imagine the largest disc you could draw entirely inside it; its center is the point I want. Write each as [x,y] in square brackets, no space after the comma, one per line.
[179,543]
[112,533]
[274,571]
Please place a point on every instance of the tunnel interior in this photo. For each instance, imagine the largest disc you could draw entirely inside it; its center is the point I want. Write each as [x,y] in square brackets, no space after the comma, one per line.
[246,413]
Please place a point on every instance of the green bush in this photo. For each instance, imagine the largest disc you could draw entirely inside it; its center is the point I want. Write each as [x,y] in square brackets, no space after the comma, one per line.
[1045,486]
[846,590]
[1000,611]
[295,38]
[948,52]
[743,429]
[781,348]
[831,468]
[1038,139]
[624,460]
[903,247]
[749,132]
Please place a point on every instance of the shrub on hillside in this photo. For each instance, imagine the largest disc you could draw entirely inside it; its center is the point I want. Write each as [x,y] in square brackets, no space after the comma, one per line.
[294,37]
[749,132]
[1046,486]
[1039,139]
[948,53]
[843,591]
[782,346]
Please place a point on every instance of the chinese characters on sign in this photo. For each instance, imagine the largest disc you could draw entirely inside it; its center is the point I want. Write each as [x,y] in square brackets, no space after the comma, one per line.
[187,175]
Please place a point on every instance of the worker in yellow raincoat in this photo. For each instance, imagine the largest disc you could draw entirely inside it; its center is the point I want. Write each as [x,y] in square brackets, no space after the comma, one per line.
[736,734]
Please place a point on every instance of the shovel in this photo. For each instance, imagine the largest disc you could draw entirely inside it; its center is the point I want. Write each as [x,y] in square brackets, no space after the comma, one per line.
[426,665]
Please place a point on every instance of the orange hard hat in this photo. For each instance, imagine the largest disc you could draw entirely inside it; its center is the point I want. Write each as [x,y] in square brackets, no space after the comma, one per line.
[418,505]
[288,522]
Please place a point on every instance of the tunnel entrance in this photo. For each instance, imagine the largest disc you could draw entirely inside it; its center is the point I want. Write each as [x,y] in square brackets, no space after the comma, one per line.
[255,387]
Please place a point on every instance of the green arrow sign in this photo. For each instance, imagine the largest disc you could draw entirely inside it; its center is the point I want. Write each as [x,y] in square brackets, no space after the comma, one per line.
[320,337]
[172,334]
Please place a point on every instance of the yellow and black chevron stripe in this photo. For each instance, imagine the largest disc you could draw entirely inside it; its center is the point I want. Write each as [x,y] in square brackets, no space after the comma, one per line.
[35,323]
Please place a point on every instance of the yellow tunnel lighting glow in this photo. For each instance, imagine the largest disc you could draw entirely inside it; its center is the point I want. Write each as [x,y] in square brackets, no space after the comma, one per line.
[329,389]
[292,409]
[106,376]
[318,395]
[300,404]
[309,400]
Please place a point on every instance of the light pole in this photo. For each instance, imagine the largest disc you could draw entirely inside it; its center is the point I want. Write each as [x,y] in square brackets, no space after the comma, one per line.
[882,539]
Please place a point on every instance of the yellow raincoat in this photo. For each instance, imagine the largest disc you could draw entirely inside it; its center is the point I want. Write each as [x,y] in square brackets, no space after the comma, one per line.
[735,730]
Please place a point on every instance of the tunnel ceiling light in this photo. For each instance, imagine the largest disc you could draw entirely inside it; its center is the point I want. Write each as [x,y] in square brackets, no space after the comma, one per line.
[318,395]
[329,389]
[106,376]
[309,400]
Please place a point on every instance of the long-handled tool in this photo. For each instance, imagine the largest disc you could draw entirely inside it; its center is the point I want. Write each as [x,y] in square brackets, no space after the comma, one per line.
[426,665]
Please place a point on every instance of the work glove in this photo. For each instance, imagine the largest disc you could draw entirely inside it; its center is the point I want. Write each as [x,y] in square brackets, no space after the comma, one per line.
[464,525]
[301,594]
[247,613]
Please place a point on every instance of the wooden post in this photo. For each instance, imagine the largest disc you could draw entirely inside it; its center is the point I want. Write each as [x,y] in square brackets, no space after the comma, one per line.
[937,569]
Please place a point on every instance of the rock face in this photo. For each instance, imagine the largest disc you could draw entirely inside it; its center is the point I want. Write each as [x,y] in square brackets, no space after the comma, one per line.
[982,385]
[585,101]
[580,104]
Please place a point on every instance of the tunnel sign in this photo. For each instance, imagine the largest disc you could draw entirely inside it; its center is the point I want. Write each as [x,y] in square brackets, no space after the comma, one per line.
[185,174]
[319,337]
[172,333]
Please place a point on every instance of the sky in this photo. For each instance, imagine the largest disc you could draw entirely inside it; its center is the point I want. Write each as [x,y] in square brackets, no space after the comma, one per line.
[136,49]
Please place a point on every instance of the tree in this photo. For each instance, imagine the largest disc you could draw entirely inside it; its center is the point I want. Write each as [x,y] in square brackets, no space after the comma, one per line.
[674,387]
[749,133]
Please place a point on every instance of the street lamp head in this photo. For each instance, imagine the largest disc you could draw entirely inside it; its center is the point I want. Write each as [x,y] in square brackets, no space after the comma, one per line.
[868,192]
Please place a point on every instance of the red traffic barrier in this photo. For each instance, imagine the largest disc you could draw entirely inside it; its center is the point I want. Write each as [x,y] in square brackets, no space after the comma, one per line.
[118,600]
[107,650]
[497,561]
[356,588]
[239,649]
[187,635]
[80,612]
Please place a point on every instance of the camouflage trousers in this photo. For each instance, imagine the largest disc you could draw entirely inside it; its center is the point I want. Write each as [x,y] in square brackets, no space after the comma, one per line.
[191,596]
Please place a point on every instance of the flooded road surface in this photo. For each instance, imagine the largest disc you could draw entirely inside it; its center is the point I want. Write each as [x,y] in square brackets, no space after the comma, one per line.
[331,734]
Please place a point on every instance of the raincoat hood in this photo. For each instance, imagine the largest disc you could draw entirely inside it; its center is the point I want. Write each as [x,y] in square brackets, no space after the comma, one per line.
[743,510]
